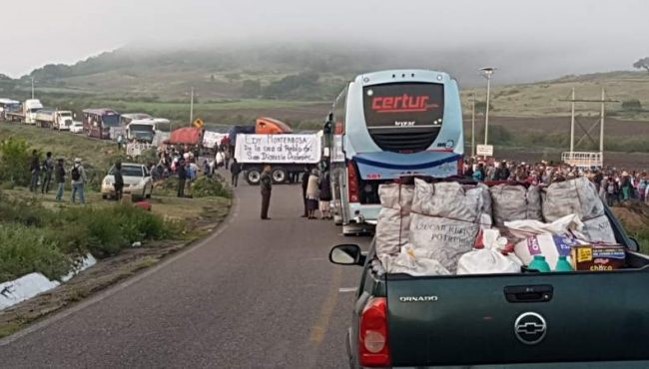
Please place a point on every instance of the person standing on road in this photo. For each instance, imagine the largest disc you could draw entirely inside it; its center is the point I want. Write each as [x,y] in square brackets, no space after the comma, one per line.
[312,193]
[35,168]
[235,169]
[59,177]
[119,181]
[325,196]
[305,183]
[266,183]
[226,157]
[48,167]
[182,177]
[120,142]
[79,179]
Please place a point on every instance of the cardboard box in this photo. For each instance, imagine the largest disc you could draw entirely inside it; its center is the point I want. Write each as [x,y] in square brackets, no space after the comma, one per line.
[598,257]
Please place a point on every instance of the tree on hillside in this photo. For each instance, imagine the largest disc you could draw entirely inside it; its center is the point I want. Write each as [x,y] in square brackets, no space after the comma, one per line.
[4,77]
[642,64]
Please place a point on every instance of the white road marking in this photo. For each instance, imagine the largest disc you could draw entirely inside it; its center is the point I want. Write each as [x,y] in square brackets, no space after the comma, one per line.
[347,289]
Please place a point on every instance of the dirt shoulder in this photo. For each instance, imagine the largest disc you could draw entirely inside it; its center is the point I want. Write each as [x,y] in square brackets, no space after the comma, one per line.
[203,217]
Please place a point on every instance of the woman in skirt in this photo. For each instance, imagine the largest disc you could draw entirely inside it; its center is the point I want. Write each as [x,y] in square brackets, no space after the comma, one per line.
[312,194]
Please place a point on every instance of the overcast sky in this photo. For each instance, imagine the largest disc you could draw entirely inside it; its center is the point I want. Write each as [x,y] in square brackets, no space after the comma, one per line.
[568,36]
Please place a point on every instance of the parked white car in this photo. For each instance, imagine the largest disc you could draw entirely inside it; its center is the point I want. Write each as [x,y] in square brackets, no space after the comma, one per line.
[76,127]
[137,182]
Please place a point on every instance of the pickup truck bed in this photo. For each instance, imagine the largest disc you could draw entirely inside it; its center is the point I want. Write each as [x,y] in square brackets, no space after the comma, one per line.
[507,319]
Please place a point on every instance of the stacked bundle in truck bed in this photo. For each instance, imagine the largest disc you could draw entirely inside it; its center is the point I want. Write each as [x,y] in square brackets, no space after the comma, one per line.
[578,196]
[515,202]
[394,219]
[446,218]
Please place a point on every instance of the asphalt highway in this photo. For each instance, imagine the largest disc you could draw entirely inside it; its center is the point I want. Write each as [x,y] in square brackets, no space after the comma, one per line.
[256,294]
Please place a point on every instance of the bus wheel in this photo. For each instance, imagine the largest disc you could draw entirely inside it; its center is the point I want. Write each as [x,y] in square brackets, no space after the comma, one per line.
[253,176]
[279,175]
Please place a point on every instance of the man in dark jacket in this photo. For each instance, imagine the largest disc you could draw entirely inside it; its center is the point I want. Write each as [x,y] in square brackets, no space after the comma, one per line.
[59,177]
[35,168]
[235,169]
[182,177]
[305,183]
[266,183]
[119,181]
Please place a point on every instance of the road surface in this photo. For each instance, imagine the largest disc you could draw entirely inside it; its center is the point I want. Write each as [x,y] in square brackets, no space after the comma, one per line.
[259,294]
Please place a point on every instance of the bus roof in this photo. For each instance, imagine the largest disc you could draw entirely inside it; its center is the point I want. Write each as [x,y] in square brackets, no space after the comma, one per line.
[8,102]
[403,75]
[136,116]
[102,111]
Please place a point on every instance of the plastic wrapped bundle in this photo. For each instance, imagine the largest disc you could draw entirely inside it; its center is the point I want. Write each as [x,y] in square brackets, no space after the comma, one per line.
[445,220]
[579,196]
[394,219]
[515,202]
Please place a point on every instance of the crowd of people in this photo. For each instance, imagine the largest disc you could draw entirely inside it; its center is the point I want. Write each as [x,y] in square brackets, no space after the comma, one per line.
[615,185]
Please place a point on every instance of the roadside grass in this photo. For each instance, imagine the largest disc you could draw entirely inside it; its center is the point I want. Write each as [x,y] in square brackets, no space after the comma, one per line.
[42,235]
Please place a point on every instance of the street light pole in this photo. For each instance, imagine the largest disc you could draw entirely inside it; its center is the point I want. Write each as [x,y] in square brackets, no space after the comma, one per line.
[32,88]
[487,72]
[191,107]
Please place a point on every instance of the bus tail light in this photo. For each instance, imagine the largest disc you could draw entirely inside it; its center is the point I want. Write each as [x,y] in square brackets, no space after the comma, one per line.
[373,347]
[353,182]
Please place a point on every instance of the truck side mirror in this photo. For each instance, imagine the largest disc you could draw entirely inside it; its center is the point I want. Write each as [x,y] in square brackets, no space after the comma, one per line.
[634,244]
[347,254]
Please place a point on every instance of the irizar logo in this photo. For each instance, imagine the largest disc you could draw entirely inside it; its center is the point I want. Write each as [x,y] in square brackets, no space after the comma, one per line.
[404,123]
[418,298]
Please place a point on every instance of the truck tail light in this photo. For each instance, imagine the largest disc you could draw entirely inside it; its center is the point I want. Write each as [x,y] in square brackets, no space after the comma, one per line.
[353,181]
[374,350]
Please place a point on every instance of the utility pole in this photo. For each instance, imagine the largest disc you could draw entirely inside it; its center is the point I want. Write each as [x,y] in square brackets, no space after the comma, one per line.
[32,88]
[191,107]
[601,126]
[572,122]
[473,124]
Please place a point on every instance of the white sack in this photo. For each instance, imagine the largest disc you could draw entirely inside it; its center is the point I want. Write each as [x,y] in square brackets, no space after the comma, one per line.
[394,218]
[578,196]
[598,229]
[445,220]
[413,262]
[527,228]
[490,259]
[515,202]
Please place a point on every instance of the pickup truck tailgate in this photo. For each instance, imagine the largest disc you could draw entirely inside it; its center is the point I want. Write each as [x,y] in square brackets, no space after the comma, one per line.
[531,318]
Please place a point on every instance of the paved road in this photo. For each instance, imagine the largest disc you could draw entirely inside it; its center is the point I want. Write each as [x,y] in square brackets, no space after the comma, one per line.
[260,294]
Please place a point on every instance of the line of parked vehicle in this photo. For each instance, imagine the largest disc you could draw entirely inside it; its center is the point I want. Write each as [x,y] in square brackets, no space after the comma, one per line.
[106,124]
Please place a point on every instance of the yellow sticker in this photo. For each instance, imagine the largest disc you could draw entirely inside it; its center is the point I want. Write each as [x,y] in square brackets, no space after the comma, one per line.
[584,254]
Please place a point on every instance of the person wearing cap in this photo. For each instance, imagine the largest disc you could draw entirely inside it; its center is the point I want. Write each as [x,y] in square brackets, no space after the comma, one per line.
[79,179]
[59,177]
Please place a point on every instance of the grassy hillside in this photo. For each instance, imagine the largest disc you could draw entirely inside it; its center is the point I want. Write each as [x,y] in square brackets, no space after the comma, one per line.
[543,98]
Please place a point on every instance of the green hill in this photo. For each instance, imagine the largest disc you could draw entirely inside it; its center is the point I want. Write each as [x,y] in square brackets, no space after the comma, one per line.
[630,90]
[235,83]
